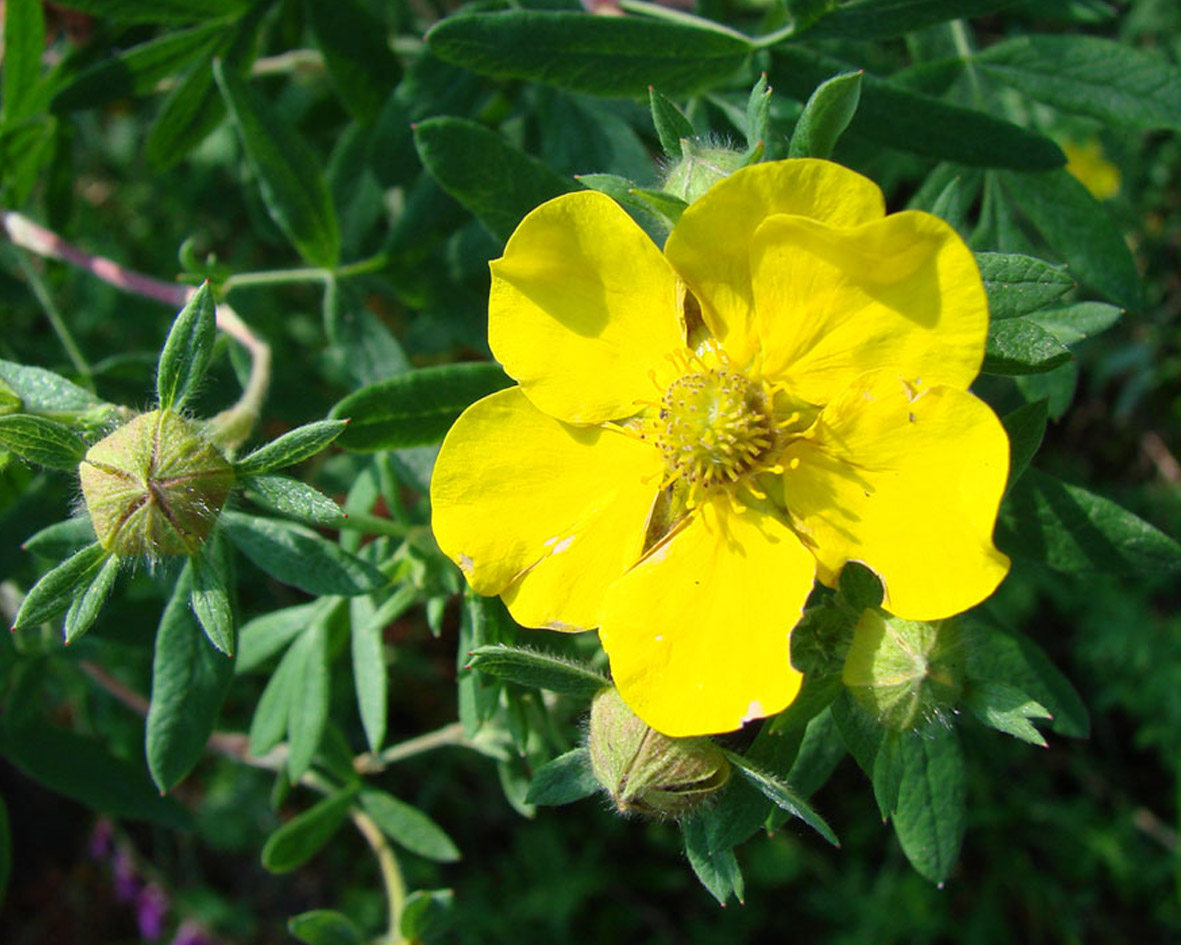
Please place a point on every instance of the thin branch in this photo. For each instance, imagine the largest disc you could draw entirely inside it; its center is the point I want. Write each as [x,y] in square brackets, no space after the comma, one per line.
[391,873]
[451,734]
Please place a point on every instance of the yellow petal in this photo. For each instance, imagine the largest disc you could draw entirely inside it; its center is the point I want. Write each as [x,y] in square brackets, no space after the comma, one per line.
[902,293]
[583,307]
[710,245]
[698,632]
[546,513]
[907,484]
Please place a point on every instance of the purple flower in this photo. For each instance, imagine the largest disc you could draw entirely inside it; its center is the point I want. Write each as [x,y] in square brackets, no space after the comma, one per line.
[151,907]
[190,933]
[127,884]
[101,839]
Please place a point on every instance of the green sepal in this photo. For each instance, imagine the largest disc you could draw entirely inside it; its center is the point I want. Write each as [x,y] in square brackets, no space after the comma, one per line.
[187,350]
[826,116]
[537,670]
[670,123]
[782,796]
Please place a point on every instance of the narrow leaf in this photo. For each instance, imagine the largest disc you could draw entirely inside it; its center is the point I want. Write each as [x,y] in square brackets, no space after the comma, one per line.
[61,539]
[826,116]
[493,180]
[324,927]
[1079,228]
[1019,346]
[564,780]
[758,114]
[369,668]
[187,351]
[189,682]
[308,709]
[885,19]
[891,115]
[1017,285]
[612,56]
[1073,530]
[43,392]
[782,796]
[42,441]
[409,827]
[85,607]
[290,179]
[188,114]
[293,499]
[1110,81]
[57,589]
[1072,323]
[416,408]
[298,556]
[670,122]
[716,868]
[157,12]
[24,42]
[268,727]
[357,54]
[1025,427]
[929,817]
[537,670]
[302,837]
[292,447]
[263,637]
[211,603]
[1006,709]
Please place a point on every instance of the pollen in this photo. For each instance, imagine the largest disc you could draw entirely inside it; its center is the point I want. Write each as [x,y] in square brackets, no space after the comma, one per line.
[714,428]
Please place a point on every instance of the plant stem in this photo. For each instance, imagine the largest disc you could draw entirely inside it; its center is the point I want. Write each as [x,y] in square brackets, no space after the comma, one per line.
[451,734]
[391,873]
[372,525]
[81,365]
[244,280]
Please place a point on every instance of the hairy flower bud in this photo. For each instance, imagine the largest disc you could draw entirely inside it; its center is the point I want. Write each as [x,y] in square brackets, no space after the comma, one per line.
[155,486]
[646,772]
[699,169]
[905,671]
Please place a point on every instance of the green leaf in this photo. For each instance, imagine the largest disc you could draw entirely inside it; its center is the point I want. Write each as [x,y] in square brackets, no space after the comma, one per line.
[308,709]
[860,587]
[408,826]
[820,751]
[263,637]
[24,42]
[189,113]
[416,408]
[83,769]
[1006,709]
[61,539]
[670,122]
[189,683]
[57,589]
[885,19]
[1025,428]
[886,777]
[324,927]
[294,499]
[717,868]
[1073,530]
[357,54]
[1110,81]
[268,727]
[292,184]
[427,915]
[891,115]
[782,796]
[758,114]
[495,181]
[1019,346]
[826,115]
[158,11]
[210,601]
[292,447]
[298,556]
[43,392]
[1079,228]
[929,817]
[187,351]
[564,780]
[537,670]
[993,655]
[363,345]
[370,676]
[138,70]
[1017,285]
[85,607]
[302,837]
[612,56]
[1072,323]
[42,441]
[669,206]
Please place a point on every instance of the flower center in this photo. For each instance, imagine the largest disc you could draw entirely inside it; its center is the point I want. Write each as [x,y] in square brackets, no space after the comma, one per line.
[714,428]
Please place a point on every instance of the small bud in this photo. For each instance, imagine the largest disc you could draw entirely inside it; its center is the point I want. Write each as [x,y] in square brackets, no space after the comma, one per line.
[646,772]
[905,671]
[155,486]
[699,169]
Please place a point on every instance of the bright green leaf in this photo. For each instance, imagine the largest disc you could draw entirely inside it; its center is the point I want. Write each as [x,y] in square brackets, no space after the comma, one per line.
[1072,323]
[187,351]
[370,676]
[42,441]
[1019,346]
[263,637]
[416,408]
[308,709]
[85,607]
[61,539]
[670,122]
[537,670]
[1006,709]
[55,591]
[826,115]
[782,796]
[302,837]
[1017,285]
[292,447]
[408,826]
[293,499]
[268,727]
[929,816]
[43,392]
[210,600]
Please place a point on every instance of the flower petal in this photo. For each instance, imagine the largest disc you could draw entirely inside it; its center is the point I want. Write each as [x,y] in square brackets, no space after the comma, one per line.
[698,632]
[902,293]
[546,513]
[710,245]
[907,484]
[583,307]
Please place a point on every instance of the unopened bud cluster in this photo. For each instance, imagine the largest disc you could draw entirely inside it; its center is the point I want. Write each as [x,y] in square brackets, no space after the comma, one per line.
[155,486]
[646,772]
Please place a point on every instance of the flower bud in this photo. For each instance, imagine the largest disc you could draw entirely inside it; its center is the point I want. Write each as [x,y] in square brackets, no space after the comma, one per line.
[155,486]
[699,169]
[646,772]
[904,671]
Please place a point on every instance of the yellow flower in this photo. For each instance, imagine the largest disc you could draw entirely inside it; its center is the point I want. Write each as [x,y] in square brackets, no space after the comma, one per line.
[1087,163]
[698,434]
